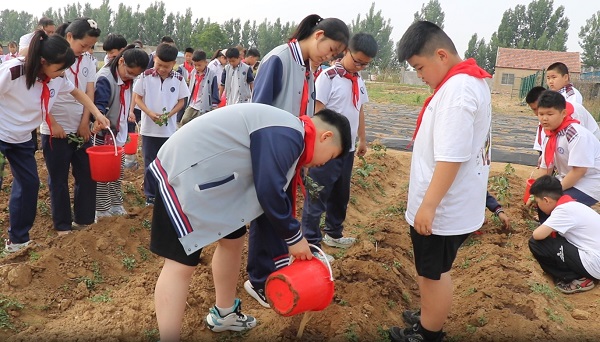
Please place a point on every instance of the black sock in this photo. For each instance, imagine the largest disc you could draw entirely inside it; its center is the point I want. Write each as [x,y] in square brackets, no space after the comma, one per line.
[430,335]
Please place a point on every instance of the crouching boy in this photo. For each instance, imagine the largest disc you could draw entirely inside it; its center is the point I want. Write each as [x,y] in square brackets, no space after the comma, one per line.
[571,257]
[237,165]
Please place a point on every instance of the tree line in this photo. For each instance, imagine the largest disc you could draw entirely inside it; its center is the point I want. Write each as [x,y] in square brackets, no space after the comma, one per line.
[536,26]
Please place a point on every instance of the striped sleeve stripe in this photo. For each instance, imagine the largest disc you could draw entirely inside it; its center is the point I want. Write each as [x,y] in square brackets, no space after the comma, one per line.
[282,263]
[172,204]
[294,239]
[571,133]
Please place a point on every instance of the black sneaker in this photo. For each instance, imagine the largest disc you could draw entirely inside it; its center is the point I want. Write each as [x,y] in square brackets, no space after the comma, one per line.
[411,317]
[258,294]
[411,334]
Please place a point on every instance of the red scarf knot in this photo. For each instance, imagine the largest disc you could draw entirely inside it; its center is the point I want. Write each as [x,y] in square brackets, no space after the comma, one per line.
[76,71]
[306,157]
[468,67]
[199,79]
[123,110]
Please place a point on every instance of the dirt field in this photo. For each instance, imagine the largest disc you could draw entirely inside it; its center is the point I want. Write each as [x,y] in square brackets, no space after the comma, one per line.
[97,285]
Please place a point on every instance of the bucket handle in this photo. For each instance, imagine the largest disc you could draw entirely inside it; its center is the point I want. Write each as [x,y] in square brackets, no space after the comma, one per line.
[324,259]
[114,140]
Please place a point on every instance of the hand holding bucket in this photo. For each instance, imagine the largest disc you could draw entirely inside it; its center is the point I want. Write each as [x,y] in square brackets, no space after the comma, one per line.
[131,146]
[303,285]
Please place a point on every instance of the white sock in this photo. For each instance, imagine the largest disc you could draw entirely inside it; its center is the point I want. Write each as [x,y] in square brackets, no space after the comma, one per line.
[225,311]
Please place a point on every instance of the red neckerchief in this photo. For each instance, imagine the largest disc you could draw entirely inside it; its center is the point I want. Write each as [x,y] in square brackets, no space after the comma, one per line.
[123,87]
[570,110]
[553,138]
[318,72]
[188,67]
[76,71]
[468,67]
[44,100]
[353,77]
[298,58]
[562,200]
[199,79]
[310,134]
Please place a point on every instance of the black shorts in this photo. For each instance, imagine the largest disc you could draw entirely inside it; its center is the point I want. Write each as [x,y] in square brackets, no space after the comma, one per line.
[164,241]
[434,254]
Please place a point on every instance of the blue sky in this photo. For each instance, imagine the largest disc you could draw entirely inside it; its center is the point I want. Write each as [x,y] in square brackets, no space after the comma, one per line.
[463,17]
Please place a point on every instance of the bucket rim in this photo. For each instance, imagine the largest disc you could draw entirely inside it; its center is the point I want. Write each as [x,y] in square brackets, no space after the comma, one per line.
[324,260]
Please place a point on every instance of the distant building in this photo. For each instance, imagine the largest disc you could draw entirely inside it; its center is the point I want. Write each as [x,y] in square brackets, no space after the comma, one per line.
[512,65]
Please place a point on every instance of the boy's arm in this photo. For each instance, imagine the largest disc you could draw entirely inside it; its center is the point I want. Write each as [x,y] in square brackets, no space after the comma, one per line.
[573,176]
[132,107]
[214,93]
[139,101]
[177,108]
[443,177]
[273,152]
[362,133]
[542,232]
[250,79]
[491,203]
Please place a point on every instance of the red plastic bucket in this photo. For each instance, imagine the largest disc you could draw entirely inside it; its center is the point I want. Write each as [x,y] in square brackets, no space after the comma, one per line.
[132,145]
[302,286]
[526,196]
[105,161]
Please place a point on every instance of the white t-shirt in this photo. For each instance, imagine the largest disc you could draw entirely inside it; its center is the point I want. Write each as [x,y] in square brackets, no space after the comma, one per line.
[576,146]
[66,110]
[215,65]
[456,127]
[335,92]
[160,94]
[21,109]
[580,225]
[25,40]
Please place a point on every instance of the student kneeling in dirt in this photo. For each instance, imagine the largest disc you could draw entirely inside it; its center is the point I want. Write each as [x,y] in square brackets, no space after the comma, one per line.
[238,164]
[572,256]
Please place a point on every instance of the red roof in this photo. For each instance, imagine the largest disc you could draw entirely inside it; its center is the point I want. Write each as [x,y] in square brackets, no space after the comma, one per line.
[536,59]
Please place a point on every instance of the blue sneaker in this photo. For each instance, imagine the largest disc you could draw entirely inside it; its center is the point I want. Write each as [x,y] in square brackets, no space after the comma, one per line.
[234,321]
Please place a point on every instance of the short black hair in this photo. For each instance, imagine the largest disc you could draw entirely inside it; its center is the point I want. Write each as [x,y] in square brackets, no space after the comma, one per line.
[534,94]
[559,67]
[189,49]
[232,53]
[341,123]
[45,21]
[166,52]
[167,39]
[253,52]
[552,99]
[198,56]
[365,43]
[114,41]
[138,43]
[423,38]
[547,186]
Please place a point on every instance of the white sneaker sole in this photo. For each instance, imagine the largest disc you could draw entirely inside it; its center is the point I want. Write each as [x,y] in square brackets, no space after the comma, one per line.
[332,243]
[248,287]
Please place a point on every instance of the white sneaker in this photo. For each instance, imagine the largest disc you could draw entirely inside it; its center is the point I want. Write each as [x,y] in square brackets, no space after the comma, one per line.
[102,213]
[234,321]
[319,256]
[118,210]
[343,242]
[11,247]
[259,294]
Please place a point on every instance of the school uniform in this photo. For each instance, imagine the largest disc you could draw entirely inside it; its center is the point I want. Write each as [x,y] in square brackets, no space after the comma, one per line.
[185,70]
[225,178]
[577,146]
[335,90]
[284,79]
[10,56]
[204,96]
[60,154]
[216,66]
[25,40]
[159,95]
[575,251]
[21,112]
[236,83]
[571,94]
[113,99]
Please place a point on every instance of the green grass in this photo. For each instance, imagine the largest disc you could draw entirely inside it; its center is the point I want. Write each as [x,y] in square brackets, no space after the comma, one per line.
[543,289]
[7,304]
[395,93]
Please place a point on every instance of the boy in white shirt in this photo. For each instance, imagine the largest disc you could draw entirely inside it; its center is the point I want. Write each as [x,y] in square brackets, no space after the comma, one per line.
[449,169]
[161,92]
[237,80]
[568,149]
[558,79]
[571,257]
[339,88]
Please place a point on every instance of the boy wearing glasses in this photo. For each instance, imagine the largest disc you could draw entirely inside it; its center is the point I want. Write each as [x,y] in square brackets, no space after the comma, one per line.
[339,88]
